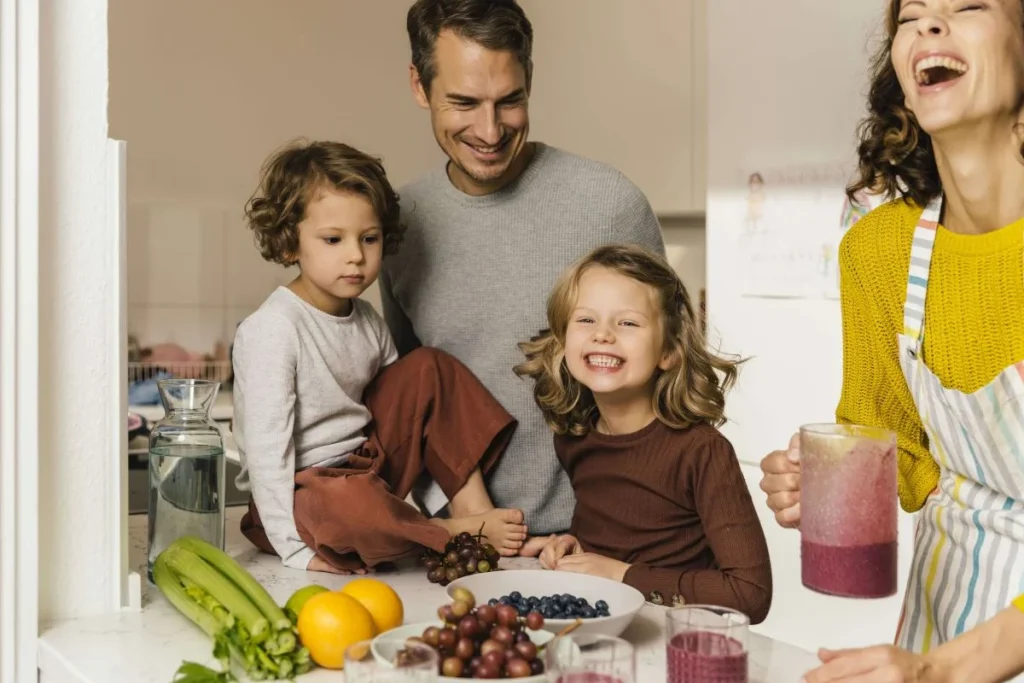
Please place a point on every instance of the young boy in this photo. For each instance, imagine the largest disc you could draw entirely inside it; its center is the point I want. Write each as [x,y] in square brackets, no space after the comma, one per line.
[332,428]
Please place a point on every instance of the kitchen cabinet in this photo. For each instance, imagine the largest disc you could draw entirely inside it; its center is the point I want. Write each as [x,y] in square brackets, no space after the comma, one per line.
[624,83]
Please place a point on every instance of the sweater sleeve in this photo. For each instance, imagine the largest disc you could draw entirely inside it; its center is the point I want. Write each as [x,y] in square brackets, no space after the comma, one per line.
[265,360]
[398,322]
[874,391]
[742,579]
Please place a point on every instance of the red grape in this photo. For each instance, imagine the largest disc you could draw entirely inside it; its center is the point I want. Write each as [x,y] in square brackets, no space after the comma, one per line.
[465,649]
[452,667]
[502,634]
[446,638]
[490,646]
[507,615]
[527,650]
[430,635]
[487,615]
[534,621]
[517,668]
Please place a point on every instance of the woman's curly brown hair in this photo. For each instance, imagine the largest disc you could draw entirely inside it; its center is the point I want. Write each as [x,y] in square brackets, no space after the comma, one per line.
[690,392]
[896,158]
[292,177]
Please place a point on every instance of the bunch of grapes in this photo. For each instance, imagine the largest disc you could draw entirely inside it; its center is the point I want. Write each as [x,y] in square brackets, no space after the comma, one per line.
[484,641]
[464,554]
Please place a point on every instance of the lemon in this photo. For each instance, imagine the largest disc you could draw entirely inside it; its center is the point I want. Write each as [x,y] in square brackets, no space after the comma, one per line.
[380,600]
[329,623]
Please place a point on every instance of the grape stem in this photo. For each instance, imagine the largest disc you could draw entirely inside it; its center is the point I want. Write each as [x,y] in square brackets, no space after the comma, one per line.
[564,632]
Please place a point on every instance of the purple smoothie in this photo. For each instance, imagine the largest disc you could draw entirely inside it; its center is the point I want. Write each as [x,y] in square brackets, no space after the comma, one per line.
[703,657]
[849,511]
[866,571]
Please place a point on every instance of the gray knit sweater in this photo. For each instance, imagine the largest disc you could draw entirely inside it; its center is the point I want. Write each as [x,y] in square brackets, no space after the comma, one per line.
[473,276]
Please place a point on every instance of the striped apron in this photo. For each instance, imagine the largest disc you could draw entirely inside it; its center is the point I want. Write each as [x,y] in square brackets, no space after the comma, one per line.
[969,542]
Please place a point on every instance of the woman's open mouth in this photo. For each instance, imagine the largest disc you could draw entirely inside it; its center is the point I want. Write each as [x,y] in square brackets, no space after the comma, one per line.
[938,70]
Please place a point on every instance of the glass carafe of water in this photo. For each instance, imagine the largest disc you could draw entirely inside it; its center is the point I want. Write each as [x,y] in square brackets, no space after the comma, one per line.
[186,468]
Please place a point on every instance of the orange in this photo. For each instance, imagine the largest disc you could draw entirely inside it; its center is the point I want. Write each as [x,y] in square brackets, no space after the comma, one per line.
[380,600]
[329,623]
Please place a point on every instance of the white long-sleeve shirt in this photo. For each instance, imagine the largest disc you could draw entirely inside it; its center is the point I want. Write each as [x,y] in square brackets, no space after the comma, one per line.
[300,374]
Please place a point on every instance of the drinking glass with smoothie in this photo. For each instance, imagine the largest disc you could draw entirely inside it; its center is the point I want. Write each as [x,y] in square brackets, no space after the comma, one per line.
[848,510]
[707,644]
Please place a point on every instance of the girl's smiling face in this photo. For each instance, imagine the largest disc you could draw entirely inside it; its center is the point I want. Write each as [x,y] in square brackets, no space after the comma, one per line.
[614,343]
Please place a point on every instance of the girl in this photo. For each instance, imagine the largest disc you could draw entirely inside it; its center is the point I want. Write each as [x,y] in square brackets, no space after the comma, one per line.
[332,428]
[633,396]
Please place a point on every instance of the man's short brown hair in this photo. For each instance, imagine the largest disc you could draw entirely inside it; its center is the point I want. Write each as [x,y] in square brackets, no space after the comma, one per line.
[291,179]
[499,25]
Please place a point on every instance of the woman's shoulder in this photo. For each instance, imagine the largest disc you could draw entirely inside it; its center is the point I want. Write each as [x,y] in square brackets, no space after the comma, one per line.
[886,231]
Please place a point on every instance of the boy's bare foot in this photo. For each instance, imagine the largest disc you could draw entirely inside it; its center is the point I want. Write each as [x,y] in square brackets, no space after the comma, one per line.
[535,545]
[318,564]
[504,529]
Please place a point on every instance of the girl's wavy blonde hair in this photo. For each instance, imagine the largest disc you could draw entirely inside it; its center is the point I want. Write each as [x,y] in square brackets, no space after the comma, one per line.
[689,392]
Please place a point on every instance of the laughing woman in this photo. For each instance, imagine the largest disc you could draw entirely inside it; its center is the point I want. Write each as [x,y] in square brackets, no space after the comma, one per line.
[933,336]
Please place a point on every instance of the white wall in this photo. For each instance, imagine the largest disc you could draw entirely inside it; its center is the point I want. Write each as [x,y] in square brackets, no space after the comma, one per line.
[202,97]
[790,92]
[77,346]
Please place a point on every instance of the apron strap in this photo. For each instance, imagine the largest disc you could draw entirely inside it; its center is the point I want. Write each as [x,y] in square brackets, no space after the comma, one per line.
[920,262]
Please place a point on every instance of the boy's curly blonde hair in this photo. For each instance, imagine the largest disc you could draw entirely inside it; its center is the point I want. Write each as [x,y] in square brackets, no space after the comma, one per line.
[291,179]
[688,393]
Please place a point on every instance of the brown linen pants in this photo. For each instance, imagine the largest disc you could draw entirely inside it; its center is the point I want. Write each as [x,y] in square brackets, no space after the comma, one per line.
[430,413]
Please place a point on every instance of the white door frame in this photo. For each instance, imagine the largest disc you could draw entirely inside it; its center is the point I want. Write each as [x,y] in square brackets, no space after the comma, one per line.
[19,338]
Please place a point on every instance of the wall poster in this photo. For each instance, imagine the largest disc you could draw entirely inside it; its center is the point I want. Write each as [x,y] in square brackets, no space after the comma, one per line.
[794,220]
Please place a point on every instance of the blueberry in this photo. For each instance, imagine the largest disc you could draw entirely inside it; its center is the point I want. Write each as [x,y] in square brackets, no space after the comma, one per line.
[603,613]
[492,602]
[515,596]
[503,600]
[523,610]
[601,605]
[588,612]
[533,600]
[581,602]
[568,596]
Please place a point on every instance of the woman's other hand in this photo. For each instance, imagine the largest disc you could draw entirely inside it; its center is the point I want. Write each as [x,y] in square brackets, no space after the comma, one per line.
[781,483]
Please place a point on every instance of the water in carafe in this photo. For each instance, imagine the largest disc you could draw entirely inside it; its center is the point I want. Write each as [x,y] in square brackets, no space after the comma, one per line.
[186,468]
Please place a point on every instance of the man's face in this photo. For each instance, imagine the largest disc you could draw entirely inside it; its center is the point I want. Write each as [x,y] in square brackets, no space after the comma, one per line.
[478,109]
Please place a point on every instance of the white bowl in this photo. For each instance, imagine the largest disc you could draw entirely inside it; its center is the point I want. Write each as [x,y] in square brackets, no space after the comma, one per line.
[387,644]
[623,601]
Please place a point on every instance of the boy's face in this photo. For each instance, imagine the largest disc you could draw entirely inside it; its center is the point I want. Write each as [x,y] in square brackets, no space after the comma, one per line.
[478,109]
[614,342]
[340,248]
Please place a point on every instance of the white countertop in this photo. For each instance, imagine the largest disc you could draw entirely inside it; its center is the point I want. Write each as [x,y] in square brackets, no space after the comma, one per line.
[148,646]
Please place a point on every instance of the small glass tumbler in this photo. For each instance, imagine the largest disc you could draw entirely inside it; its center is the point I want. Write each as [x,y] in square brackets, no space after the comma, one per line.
[396,661]
[707,644]
[590,659]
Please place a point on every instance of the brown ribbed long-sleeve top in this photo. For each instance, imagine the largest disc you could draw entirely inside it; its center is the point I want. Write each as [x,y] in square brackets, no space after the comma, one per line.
[674,505]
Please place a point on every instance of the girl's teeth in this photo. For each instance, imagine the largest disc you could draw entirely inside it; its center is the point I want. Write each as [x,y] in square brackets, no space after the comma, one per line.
[604,361]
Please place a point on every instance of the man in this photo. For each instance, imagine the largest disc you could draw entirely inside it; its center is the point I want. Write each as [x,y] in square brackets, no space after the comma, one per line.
[490,231]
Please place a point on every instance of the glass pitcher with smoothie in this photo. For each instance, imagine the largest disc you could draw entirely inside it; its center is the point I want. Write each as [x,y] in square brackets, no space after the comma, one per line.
[848,510]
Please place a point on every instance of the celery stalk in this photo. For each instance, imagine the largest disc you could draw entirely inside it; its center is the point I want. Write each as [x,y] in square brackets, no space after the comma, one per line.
[206,577]
[252,588]
[168,584]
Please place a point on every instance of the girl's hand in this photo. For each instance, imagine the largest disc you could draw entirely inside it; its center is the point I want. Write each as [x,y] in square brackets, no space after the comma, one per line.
[781,481]
[557,548]
[593,564]
[879,664]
